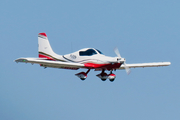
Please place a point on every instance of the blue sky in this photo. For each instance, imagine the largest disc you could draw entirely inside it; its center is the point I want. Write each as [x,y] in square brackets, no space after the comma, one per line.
[144,31]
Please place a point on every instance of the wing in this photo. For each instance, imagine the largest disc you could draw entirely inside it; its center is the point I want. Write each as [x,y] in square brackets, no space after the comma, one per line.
[157,64]
[49,63]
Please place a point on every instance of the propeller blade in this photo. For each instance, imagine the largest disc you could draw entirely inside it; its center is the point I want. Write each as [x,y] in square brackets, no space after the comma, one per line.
[117,52]
[128,71]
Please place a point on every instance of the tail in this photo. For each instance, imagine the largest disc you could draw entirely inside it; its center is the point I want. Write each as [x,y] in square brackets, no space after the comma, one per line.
[45,50]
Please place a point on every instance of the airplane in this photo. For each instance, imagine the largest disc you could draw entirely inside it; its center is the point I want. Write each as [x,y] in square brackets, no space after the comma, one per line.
[87,58]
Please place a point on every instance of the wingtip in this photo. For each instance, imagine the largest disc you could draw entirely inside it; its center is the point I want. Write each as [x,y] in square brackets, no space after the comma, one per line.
[169,63]
[20,60]
[166,63]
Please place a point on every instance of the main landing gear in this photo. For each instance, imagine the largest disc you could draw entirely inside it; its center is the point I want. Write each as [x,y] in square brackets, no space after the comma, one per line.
[82,75]
[103,76]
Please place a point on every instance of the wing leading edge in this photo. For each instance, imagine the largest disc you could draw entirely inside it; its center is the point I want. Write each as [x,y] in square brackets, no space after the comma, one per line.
[138,65]
[68,65]
[48,63]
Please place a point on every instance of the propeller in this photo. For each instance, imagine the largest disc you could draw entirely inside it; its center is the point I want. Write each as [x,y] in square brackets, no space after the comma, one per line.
[128,71]
[117,52]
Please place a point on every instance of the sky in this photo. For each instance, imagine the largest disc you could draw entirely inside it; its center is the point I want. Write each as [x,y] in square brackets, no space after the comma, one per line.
[143,30]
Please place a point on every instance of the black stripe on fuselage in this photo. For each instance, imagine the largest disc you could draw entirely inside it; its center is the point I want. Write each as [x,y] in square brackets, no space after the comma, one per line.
[69,59]
[83,61]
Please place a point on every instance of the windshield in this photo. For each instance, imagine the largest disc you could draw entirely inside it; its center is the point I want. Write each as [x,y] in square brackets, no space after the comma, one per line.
[88,52]
[99,51]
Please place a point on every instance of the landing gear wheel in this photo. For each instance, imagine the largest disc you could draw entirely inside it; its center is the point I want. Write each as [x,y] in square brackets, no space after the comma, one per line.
[112,76]
[103,79]
[82,75]
[112,80]
[82,79]
[103,76]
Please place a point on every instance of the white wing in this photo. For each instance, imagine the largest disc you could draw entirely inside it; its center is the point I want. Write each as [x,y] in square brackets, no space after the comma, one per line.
[157,64]
[49,63]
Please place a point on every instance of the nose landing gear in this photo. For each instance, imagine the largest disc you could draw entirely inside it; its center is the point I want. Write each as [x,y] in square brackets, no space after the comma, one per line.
[103,76]
[111,76]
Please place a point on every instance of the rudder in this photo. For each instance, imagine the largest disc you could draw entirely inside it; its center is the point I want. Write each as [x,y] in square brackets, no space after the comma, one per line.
[45,50]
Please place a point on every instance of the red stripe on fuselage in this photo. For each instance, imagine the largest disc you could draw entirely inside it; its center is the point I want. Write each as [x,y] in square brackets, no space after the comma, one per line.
[103,66]
[44,56]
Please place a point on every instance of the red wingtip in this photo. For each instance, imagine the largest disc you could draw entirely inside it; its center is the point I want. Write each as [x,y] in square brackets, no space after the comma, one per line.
[44,34]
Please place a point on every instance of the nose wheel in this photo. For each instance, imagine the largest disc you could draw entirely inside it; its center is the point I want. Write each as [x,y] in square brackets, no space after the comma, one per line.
[111,76]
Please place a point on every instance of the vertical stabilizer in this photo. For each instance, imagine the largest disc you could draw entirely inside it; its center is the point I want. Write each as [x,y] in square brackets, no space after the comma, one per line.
[45,50]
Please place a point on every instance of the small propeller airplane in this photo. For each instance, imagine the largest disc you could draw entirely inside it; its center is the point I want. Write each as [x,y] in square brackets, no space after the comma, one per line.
[87,58]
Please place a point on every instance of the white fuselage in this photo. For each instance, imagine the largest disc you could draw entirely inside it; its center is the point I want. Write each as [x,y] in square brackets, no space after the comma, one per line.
[95,58]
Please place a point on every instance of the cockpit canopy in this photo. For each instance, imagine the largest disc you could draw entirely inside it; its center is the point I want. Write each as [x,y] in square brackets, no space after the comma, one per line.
[89,52]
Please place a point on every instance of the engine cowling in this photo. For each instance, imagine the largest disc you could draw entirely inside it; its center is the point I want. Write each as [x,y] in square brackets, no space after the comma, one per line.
[81,75]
